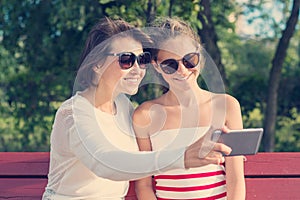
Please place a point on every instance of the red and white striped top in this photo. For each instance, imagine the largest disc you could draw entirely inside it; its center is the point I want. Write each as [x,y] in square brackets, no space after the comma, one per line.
[203,183]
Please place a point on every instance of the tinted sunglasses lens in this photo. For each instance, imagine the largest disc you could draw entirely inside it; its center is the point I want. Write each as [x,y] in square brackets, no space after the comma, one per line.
[191,60]
[169,66]
[126,60]
[144,59]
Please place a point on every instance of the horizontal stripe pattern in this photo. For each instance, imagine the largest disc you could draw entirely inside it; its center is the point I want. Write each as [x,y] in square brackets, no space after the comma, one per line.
[218,196]
[194,188]
[189,176]
[202,183]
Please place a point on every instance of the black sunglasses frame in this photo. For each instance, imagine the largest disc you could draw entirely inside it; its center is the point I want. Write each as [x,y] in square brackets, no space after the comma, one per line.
[129,62]
[170,66]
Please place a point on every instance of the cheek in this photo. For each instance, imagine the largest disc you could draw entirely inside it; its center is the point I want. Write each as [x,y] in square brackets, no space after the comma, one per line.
[112,75]
[166,77]
[198,70]
[143,73]
[118,75]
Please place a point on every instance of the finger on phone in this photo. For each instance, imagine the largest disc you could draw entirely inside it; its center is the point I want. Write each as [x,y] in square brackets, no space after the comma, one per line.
[222,148]
[225,129]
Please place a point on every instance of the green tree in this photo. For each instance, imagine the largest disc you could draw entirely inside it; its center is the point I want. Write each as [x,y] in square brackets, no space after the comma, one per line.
[40,43]
[44,38]
[275,75]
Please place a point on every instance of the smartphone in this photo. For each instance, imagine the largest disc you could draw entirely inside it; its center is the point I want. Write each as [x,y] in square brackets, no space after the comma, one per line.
[242,142]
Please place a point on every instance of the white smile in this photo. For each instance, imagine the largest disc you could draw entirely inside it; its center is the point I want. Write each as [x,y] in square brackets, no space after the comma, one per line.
[132,80]
[184,78]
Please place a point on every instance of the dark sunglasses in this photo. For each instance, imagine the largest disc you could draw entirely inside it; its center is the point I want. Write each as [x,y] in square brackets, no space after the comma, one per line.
[127,59]
[170,66]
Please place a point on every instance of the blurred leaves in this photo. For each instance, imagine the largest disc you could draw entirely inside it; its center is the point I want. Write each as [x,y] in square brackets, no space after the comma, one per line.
[40,43]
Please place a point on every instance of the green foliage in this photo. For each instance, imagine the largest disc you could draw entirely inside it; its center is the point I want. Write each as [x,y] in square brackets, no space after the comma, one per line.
[253,118]
[42,40]
[287,135]
[288,132]
[248,62]
[40,43]
[289,89]
[128,10]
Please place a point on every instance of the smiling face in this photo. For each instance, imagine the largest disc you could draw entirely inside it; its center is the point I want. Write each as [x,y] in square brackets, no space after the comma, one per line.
[115,80]
[177,48]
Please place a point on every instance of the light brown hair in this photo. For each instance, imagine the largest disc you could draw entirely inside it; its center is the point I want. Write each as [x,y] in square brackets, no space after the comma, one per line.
[98,44]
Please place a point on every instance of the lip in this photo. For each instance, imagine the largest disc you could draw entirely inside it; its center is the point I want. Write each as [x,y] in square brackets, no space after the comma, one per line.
[183,78]
[132,79]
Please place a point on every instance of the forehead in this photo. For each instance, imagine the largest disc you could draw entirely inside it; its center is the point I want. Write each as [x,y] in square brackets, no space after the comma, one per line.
[177,46]
[124,44]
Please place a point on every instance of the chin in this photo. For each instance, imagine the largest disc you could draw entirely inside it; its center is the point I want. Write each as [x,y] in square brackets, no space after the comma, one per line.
[131,92]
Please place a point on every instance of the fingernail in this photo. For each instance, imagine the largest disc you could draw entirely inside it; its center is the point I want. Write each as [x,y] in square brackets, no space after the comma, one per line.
[222,160]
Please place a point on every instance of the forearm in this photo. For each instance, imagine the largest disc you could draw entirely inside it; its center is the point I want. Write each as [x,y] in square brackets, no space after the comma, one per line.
[236,191]
[92,148]
[235,181]
[118,165]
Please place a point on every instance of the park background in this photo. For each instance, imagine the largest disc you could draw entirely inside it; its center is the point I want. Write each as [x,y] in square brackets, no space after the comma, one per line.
[254,43]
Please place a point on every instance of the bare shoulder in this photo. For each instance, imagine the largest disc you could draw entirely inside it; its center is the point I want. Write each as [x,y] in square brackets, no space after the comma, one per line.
[226,100]
[233,113]
[141,115]
[232,102]
[231,110]
[145,112]
[149,117]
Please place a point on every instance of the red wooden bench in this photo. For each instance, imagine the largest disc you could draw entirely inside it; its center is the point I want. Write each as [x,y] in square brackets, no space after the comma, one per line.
[274,176]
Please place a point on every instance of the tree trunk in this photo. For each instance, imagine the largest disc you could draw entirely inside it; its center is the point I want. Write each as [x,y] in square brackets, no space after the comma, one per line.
[209,36]
[151,11]
[170,8]
[274,79]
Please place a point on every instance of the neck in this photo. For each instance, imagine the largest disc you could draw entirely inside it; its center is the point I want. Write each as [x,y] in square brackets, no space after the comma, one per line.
[101,99]
[185,98]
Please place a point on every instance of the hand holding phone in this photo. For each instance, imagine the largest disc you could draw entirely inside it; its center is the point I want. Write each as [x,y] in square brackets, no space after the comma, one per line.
[242,142]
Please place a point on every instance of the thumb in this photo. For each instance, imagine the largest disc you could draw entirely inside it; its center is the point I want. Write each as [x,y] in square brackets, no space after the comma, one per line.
[207,144]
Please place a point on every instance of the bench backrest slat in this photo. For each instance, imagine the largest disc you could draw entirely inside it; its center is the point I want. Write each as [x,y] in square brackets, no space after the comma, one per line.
[23,175]
[273,164]
[24,164]
[273,188]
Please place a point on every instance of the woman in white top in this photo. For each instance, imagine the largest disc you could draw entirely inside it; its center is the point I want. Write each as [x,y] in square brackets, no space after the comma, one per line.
[183,113]
[93,149]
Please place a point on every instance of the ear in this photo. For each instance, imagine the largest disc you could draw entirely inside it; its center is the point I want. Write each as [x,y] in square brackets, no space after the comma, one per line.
[97,69]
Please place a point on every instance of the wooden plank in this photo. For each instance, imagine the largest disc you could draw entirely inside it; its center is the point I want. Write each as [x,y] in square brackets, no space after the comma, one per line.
[266,169]
[273,164]
[37,163]
[25,187]
[24,163]
[131,192]
[273,188]
[22,198]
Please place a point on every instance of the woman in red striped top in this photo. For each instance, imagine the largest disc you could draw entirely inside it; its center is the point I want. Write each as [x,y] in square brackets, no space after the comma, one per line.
[183,114]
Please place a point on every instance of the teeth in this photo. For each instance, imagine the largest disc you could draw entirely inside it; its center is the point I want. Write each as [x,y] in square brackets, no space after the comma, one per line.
[183,78]
[132,79]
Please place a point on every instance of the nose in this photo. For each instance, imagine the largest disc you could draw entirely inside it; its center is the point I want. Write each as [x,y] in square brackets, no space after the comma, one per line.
[181,68]
[135,67]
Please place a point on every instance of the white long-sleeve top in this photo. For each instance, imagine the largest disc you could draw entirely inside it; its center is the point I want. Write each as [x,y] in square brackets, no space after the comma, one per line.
[94,154]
